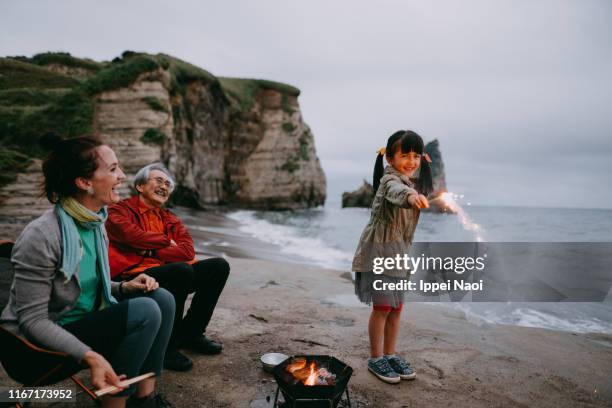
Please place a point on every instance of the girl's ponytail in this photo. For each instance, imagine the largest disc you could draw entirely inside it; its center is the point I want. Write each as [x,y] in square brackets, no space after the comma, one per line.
[378,172]
[379,167]
[425,181]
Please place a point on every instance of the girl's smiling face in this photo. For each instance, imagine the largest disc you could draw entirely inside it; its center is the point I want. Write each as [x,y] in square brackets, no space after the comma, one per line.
[406,163]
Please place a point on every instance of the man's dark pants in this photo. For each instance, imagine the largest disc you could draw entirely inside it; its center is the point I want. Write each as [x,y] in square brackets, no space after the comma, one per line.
[206,278]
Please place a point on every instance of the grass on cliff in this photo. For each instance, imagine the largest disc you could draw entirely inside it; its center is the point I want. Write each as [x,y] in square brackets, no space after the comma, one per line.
[62,58]
[20,127]
[29,108]
[153,136]
[182,72]
[11,161]
[120,74]
[242,91]
[288,127]
[32,97]
[18,74]
[155,103]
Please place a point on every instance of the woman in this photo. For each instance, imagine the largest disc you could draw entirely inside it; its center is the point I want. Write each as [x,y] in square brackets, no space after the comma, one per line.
[62,297]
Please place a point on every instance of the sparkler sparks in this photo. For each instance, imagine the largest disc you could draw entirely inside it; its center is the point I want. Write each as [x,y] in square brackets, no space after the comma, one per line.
[450,204]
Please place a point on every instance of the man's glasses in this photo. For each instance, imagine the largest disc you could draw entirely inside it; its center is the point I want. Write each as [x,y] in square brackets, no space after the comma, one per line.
[160,181]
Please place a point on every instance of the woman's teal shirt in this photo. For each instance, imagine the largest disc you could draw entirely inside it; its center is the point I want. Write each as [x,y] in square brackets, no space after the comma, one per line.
[88,278]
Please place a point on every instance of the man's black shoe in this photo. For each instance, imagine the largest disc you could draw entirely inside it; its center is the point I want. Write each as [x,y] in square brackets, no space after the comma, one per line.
[202,345]
[155,400]
[177,361]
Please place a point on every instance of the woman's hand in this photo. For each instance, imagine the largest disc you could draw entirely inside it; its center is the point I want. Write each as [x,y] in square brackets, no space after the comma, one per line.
[102,374]
[141,283]
[418,201]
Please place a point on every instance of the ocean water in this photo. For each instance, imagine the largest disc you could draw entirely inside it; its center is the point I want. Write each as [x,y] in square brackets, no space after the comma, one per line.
[327,237]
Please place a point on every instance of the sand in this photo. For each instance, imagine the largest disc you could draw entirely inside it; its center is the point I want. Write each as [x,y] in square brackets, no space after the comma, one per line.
[295,309]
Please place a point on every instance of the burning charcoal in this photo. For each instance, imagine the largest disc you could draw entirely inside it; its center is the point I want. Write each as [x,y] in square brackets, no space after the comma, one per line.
[324,373]
[327,380]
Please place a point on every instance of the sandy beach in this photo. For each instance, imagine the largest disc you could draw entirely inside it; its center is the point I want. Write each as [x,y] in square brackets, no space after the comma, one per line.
[274,306]
[278,307]
[270,306]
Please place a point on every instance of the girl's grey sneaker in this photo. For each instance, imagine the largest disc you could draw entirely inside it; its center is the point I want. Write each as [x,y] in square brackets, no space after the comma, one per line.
[381,368]
[401,367]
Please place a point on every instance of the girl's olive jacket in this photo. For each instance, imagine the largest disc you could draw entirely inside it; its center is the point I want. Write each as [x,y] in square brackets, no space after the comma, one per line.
[392,223]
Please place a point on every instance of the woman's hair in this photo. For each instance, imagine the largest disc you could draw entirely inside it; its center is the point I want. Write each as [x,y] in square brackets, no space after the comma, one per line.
[142,176]
[408,141]
[68,159]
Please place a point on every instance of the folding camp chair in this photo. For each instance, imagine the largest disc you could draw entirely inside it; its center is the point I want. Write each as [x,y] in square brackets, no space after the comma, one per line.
[24,362]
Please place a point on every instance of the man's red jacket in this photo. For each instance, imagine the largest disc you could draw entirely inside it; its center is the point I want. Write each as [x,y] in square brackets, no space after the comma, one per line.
[129,240]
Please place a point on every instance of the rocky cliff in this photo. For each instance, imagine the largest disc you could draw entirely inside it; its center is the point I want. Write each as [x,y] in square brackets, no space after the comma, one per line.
[272,161]
[229,141]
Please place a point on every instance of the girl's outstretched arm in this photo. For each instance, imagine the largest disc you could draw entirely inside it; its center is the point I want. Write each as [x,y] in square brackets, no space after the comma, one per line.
[396,192]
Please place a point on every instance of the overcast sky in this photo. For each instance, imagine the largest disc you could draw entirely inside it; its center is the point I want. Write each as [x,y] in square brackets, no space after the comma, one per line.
[519,93]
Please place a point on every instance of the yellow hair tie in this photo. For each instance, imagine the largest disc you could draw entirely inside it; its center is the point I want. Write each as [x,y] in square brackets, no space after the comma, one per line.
[382,151]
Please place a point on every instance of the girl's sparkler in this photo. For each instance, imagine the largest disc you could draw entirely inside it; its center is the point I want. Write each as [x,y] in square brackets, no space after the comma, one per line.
[450,204]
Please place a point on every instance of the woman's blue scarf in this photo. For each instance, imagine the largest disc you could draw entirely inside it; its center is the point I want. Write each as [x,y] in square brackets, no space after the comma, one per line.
[72,247]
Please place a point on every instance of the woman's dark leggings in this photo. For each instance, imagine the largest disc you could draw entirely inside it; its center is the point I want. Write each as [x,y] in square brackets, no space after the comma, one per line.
[206,278]
[132,334]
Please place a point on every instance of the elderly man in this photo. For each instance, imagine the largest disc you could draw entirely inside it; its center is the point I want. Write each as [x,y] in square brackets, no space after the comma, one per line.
[147,238]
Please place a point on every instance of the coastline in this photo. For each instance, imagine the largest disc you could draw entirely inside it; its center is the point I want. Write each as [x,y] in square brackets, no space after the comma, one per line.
[216,234]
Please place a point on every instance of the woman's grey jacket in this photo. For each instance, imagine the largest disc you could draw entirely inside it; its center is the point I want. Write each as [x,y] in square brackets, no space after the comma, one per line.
[40,294]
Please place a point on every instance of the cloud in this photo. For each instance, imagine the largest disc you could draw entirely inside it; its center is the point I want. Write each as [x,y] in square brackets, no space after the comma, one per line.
[503,85]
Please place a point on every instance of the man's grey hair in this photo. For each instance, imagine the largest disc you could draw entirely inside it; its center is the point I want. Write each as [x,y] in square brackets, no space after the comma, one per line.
[142,176]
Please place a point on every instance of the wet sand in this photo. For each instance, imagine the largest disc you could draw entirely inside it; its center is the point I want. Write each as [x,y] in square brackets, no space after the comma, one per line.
[295,309]
[215,234]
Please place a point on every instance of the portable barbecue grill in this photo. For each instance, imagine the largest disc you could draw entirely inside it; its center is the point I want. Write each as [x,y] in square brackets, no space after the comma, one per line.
[298,395]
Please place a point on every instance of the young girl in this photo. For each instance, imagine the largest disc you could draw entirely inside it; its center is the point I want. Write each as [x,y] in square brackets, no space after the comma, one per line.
[395,214]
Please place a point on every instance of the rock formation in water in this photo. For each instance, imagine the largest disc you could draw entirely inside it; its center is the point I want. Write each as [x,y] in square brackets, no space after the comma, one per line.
[363,196]
[229,141]
[437,168]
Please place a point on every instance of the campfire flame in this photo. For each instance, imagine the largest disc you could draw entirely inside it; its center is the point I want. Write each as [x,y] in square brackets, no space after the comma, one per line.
[311,375]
